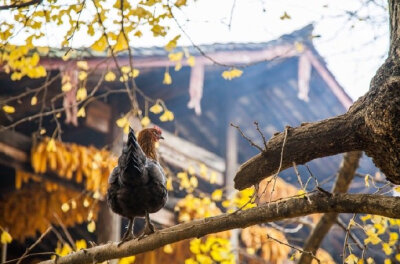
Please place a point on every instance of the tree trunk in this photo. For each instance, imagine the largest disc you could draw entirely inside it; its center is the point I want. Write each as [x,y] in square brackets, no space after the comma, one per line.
[372,124]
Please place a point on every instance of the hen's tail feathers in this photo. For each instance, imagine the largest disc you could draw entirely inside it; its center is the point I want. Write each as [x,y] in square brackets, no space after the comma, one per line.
[132,161]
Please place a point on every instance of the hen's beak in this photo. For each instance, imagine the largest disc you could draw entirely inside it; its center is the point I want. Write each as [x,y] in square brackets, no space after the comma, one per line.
[161,137]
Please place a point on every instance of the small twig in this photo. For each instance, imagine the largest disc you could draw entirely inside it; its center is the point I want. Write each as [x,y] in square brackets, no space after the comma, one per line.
[346,238]
[262,135]
[295,248]
[67,234]
[231,16]
[21,5]
[247,138]
[340,223]
[34,244]
[32,255]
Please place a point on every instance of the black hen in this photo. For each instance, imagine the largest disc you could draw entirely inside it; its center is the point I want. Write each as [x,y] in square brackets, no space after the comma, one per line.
[137,184]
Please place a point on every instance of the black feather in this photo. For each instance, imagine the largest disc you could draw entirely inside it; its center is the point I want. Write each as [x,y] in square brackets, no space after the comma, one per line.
[137,184]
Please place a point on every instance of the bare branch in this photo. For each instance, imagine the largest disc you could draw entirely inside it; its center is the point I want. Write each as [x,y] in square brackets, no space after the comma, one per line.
[344,177]
[34,244]
[20,5]
[320,203]
[247,138]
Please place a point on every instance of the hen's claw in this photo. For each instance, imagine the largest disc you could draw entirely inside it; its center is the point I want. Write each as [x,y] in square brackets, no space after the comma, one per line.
[148,229]
[128,234]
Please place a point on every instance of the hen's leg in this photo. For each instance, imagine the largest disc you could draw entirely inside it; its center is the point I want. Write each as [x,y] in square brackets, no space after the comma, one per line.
[149,227]
[128,235]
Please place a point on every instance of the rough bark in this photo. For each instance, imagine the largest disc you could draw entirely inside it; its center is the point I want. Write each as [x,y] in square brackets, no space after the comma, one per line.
[295,207]
[344,177]
[372,125]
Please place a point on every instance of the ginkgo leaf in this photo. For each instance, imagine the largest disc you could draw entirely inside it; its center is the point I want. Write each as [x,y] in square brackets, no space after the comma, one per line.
[34,100]
[171,45]
[80,244]
[81,94]
[191,61]
[167,116]
[122,43]
[82,75]
[175,56]
[156,109]
[168,249]
[232,73]
[110,76]
[217,195]
[351,259]
[91,227]
[121,122]
[169,185]
[167,78]
[82,65]
[66,87]
[180,3]
[81,112]
[145,121]
[100,45]
[8,109]
[127,260]
[6,237]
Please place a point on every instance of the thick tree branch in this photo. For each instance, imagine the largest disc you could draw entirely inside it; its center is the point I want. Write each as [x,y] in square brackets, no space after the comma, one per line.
[20,5]
[344,177]
[275,211]
[304,143]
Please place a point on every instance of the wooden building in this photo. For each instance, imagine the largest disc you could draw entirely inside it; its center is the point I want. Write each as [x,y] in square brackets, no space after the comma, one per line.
[284,82]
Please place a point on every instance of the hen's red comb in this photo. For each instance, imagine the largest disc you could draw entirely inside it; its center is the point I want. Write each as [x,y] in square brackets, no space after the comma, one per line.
[157,128]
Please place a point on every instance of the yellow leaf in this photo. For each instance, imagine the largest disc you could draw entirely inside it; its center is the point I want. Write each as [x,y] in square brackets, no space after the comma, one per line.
[387,261]
[73,204]
[109,77]
[156,109]
[365,217]
[171,45]
[6,237]
[81,94]
[217,195]
[387,249]
[66,87]
[145,121]
[397,257]
[351,259]
[81,112]
[8,109]
[121,122]
[167,116]
[65,207]
[82,75]
[125,69]
[91,227]
[213,177]
[393,237]
[34,100]
[397,189]
[127,260]
[126,129]
[122,43]
[371,261]
[191,61]
[285,16]
[167,78]
[178,66]
[251,251]
[180,3]
[231,74]
[194,182]
[100,45]
[82,65]
[191,170]
[195,246]
[301,193]
[175,56]
[51,146]
[80,244]
[168,249]
[134,73]
[42,131]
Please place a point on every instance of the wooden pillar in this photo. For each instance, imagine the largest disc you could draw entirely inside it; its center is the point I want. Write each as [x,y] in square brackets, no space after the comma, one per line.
[109,223]
[231,163]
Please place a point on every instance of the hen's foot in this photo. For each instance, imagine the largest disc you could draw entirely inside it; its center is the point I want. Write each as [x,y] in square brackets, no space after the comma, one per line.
[148,229]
